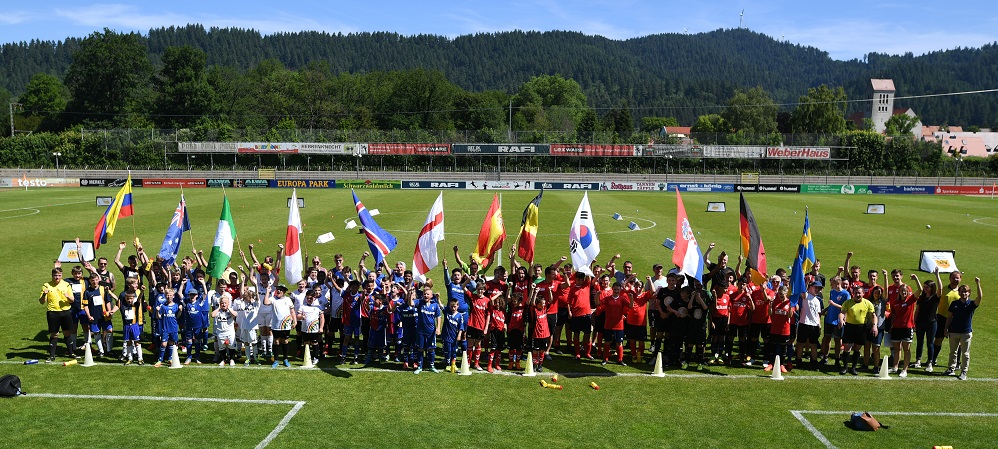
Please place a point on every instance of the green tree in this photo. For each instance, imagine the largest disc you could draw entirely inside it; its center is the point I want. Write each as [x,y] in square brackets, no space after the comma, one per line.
[5,100]
[821,111]
[588,126]
[548,103]
[751,111]
[655,124]
[867,157]
[107,78]
[184,94]
[711,123]
[620,121]
[45,98]
[900,125]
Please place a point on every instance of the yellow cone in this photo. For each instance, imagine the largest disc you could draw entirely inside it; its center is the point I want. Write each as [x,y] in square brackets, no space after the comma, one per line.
[308,358]
[88,356]
[465,365]
[658,372]
[529,371]
[175,359]
[884,374]
[777,372]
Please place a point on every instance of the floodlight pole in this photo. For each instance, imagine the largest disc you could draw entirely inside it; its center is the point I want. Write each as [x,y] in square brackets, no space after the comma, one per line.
[19,105]
[57,154]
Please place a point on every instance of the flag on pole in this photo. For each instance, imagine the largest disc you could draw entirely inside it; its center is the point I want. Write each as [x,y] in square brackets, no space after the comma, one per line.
[583,242]
[802,263]
[293,265]
[424,258]
[379,240]
[528,229]
[686,255]
[225,237]
[492,235]
[175,233]
[752,247]
[120,207]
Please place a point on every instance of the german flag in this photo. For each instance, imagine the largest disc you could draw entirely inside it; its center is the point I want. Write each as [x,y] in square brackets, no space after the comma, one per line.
[752,247]
[528,229]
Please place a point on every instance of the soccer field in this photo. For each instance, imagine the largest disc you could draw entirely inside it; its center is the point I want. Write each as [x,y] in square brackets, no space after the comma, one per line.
[348,406]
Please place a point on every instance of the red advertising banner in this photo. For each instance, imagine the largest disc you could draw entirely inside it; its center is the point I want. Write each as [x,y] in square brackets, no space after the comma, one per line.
[431,149]
[965,190]
[561,149]
[174,183]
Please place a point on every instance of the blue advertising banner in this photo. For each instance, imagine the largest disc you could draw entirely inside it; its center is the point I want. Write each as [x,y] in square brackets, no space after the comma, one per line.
[902,190]
[434,184]
[567,185]
[303,183]
[701,187]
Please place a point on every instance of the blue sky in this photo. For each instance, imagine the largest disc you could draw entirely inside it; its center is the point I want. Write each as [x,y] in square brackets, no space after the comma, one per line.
[846,29]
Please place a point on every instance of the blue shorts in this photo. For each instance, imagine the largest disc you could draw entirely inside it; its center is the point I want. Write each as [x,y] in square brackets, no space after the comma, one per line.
[377,338]
[79,315]
[427,341]
[409,339]
[133,332]
[352,331]
[170,336]
[614,336]
[101,324]
[192,333]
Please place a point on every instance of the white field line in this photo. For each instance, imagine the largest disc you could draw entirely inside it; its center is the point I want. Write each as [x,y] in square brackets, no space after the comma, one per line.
[799,414]
[47,205]
[270,436]
[985,223]
[361,369]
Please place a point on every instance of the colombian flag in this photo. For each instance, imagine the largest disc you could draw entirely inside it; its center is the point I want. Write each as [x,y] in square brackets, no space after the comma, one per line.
[528,229]
[121,207]
[492,235]
[752,247]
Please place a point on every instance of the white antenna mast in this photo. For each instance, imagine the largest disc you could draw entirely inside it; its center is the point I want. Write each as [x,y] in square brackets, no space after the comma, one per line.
[740,17]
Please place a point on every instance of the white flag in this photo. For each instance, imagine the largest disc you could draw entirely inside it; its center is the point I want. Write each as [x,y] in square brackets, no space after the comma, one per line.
[325,238]
[425,257]
[292,243]
[582,240]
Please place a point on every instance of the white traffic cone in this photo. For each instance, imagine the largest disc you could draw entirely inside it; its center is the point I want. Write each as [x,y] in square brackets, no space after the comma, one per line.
[308,358]
[884,374]
[658,372]
[175,359]
[529,370]
[777,369]
[465,365]
[88,356]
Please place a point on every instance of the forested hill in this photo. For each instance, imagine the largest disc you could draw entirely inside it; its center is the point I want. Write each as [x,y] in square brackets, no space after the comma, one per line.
[666,74]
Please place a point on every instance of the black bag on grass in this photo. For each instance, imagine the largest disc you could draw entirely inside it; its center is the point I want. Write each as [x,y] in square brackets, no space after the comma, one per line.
[865,421]
[10,386]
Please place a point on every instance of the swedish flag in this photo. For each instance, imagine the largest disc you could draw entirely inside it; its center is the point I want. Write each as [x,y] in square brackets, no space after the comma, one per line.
[803,263]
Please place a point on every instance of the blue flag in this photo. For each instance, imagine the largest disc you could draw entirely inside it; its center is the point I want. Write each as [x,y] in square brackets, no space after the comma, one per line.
[178,226]
[380,241]
[802,263]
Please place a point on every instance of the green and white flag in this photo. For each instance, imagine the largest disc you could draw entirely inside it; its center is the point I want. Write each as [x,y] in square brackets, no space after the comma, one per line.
[221,250]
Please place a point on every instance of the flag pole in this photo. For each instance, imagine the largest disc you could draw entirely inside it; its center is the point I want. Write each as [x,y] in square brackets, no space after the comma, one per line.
[504,227]
[135,237]
[239,245]
[300,240]
[190,232]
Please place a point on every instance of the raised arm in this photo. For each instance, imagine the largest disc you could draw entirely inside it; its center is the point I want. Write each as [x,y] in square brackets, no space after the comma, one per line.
[279,258]
[117,257]
[559,262]
[980,292]
[256,262]
[918,284]
[706,254]
[845,265]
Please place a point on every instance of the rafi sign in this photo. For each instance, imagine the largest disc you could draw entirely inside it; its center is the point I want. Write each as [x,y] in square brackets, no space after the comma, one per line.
[567,185]
[499,149]
[434,184]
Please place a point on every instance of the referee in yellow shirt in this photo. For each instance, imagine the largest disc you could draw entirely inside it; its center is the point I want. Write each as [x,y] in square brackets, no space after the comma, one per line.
[856,312]
[57,296]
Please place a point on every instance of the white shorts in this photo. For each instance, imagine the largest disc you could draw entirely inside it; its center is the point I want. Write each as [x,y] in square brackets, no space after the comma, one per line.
[248,335]
[226,341]
[264,318]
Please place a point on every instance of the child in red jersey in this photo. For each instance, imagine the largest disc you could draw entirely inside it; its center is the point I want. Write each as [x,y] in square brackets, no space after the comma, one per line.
[496,332]
[478,321]
[780,314]
[580,321]
[636,321]
[514,329]
[719,320]
[615,307]
[541,333]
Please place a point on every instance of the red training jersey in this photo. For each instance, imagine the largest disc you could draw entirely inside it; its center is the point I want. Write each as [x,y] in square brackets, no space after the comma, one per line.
[516,319]
[761,298]
[477,312]
[615,307]
[637,315]
[578,299]
[541,324]
[782,313]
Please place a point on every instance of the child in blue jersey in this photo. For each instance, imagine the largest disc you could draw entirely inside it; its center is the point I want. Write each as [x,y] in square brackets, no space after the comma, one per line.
[352,322]
[398,294]
[410,314]
[454,328]
[195,309]
[836,297]
[456,285]
[167,314]
[131,315]
[378,335]
[428,328]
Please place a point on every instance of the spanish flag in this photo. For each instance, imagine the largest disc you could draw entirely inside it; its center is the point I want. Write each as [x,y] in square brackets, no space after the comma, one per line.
[752,247]
[492,235]
[120,207]
[528,229]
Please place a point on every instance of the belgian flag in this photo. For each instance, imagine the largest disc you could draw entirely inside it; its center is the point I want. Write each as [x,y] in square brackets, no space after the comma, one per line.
[528,229]
[752,247]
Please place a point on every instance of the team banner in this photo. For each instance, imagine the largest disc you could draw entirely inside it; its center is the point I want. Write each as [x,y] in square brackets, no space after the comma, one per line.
[302,183]
[434,184]
[500,149]
[902,190]
[669,150]
[734,151]
[798,153]
[632,186]
[846,189]
[768,188]
[567,185]
[560,149]
[430,149]
[102,182]
[172,183]
[369,184]
[500,185]
[701,187]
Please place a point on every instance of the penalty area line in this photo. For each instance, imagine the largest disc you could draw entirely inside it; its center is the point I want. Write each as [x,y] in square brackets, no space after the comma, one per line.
[799,414]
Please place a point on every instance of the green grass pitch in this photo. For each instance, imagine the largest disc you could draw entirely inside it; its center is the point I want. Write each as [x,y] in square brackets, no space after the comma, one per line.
[347,407]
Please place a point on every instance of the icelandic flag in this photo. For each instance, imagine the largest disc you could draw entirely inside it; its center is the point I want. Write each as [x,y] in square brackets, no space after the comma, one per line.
[583,242]
[424,258]
[802,263]
[175,233]
[380,241]
[686,255]
[120,207]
